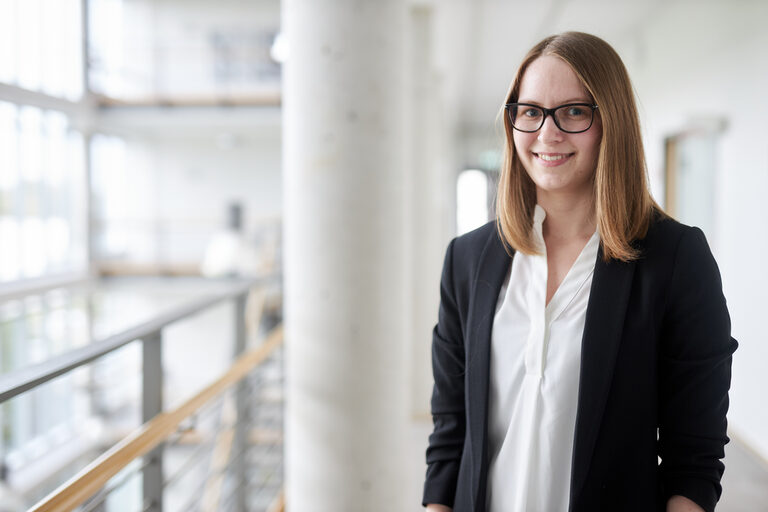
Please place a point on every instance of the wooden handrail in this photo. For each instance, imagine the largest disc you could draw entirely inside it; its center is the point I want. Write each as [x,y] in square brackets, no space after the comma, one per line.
[93,477]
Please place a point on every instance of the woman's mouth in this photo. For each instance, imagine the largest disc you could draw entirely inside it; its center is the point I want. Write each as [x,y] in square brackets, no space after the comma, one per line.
[552,159]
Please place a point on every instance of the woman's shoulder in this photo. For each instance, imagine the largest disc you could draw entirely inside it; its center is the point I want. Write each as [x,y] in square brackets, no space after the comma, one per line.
[673,242]
[478,236]
[471,245]
[666,232]
[478,249]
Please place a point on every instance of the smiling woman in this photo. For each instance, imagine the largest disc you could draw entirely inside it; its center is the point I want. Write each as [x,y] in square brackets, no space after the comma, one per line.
[582,352]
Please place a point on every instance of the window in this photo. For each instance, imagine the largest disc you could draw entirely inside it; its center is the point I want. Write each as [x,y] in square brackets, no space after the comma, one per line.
[106,75]
[43,226]
[42,187]
[41,46]
[471,200]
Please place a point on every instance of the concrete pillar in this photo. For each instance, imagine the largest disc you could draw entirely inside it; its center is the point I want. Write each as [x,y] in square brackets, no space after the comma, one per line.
[428,198]
[344,257]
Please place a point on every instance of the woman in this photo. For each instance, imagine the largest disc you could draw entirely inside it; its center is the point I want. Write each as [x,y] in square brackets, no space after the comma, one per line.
[582,352]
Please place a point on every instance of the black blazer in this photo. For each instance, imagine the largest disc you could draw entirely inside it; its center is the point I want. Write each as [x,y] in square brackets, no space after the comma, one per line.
[656,354]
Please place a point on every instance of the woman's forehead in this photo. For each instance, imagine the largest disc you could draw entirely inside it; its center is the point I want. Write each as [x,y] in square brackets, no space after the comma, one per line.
[549,79]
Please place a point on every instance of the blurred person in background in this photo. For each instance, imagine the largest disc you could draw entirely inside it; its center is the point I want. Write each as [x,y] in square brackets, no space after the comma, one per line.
[229,253]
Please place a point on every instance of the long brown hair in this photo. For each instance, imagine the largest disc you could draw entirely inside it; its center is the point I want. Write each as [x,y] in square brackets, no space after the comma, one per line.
[622,200]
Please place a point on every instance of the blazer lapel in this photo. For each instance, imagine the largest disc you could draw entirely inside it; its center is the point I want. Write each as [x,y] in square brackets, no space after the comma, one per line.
[608,299]
[492,268]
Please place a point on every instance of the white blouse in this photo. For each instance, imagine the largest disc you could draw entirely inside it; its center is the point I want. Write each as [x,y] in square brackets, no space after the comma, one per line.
[534,381]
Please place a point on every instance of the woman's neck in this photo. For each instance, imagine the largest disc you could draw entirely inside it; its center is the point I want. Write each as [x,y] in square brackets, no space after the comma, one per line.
[568,217]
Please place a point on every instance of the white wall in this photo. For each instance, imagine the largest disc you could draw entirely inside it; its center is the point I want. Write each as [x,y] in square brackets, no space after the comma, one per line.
[702,60]
[178,186]
[184,165]
[197,179]
[184,52]
[169,48]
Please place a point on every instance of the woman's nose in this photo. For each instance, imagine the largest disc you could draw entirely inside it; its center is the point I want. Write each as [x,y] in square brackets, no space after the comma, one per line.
[549,132]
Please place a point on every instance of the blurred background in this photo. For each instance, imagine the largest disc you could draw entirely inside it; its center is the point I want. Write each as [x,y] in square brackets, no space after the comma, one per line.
[179,176]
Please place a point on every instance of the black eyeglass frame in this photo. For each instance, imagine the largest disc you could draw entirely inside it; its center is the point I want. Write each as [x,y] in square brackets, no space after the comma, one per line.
[550,112]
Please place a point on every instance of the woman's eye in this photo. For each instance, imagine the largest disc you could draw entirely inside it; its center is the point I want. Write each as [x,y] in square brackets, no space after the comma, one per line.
[531,112]
[576,111]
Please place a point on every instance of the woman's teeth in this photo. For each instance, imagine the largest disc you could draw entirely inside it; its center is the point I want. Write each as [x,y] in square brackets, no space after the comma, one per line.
[551,158]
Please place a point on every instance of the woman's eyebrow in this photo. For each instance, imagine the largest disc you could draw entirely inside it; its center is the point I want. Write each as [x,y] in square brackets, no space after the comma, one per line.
[565,102]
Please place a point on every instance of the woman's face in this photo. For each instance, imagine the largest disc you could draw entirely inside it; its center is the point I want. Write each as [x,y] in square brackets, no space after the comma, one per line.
[559,163]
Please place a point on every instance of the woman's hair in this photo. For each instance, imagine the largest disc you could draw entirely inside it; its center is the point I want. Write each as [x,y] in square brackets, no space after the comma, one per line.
[622,201]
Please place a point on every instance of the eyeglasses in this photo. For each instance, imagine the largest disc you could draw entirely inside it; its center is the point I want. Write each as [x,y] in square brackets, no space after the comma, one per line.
[570,118]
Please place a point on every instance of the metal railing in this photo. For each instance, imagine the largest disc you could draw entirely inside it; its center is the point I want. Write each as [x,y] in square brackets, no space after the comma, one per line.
[92,485]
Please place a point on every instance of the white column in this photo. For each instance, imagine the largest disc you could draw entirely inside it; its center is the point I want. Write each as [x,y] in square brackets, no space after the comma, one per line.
[425,261]
[432,195]
[344,258]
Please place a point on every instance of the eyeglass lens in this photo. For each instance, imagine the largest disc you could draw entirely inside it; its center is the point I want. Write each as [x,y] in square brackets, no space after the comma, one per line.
[569,118]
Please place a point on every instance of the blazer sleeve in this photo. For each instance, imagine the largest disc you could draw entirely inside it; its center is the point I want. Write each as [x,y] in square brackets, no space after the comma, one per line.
[695,374]
[446,442]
